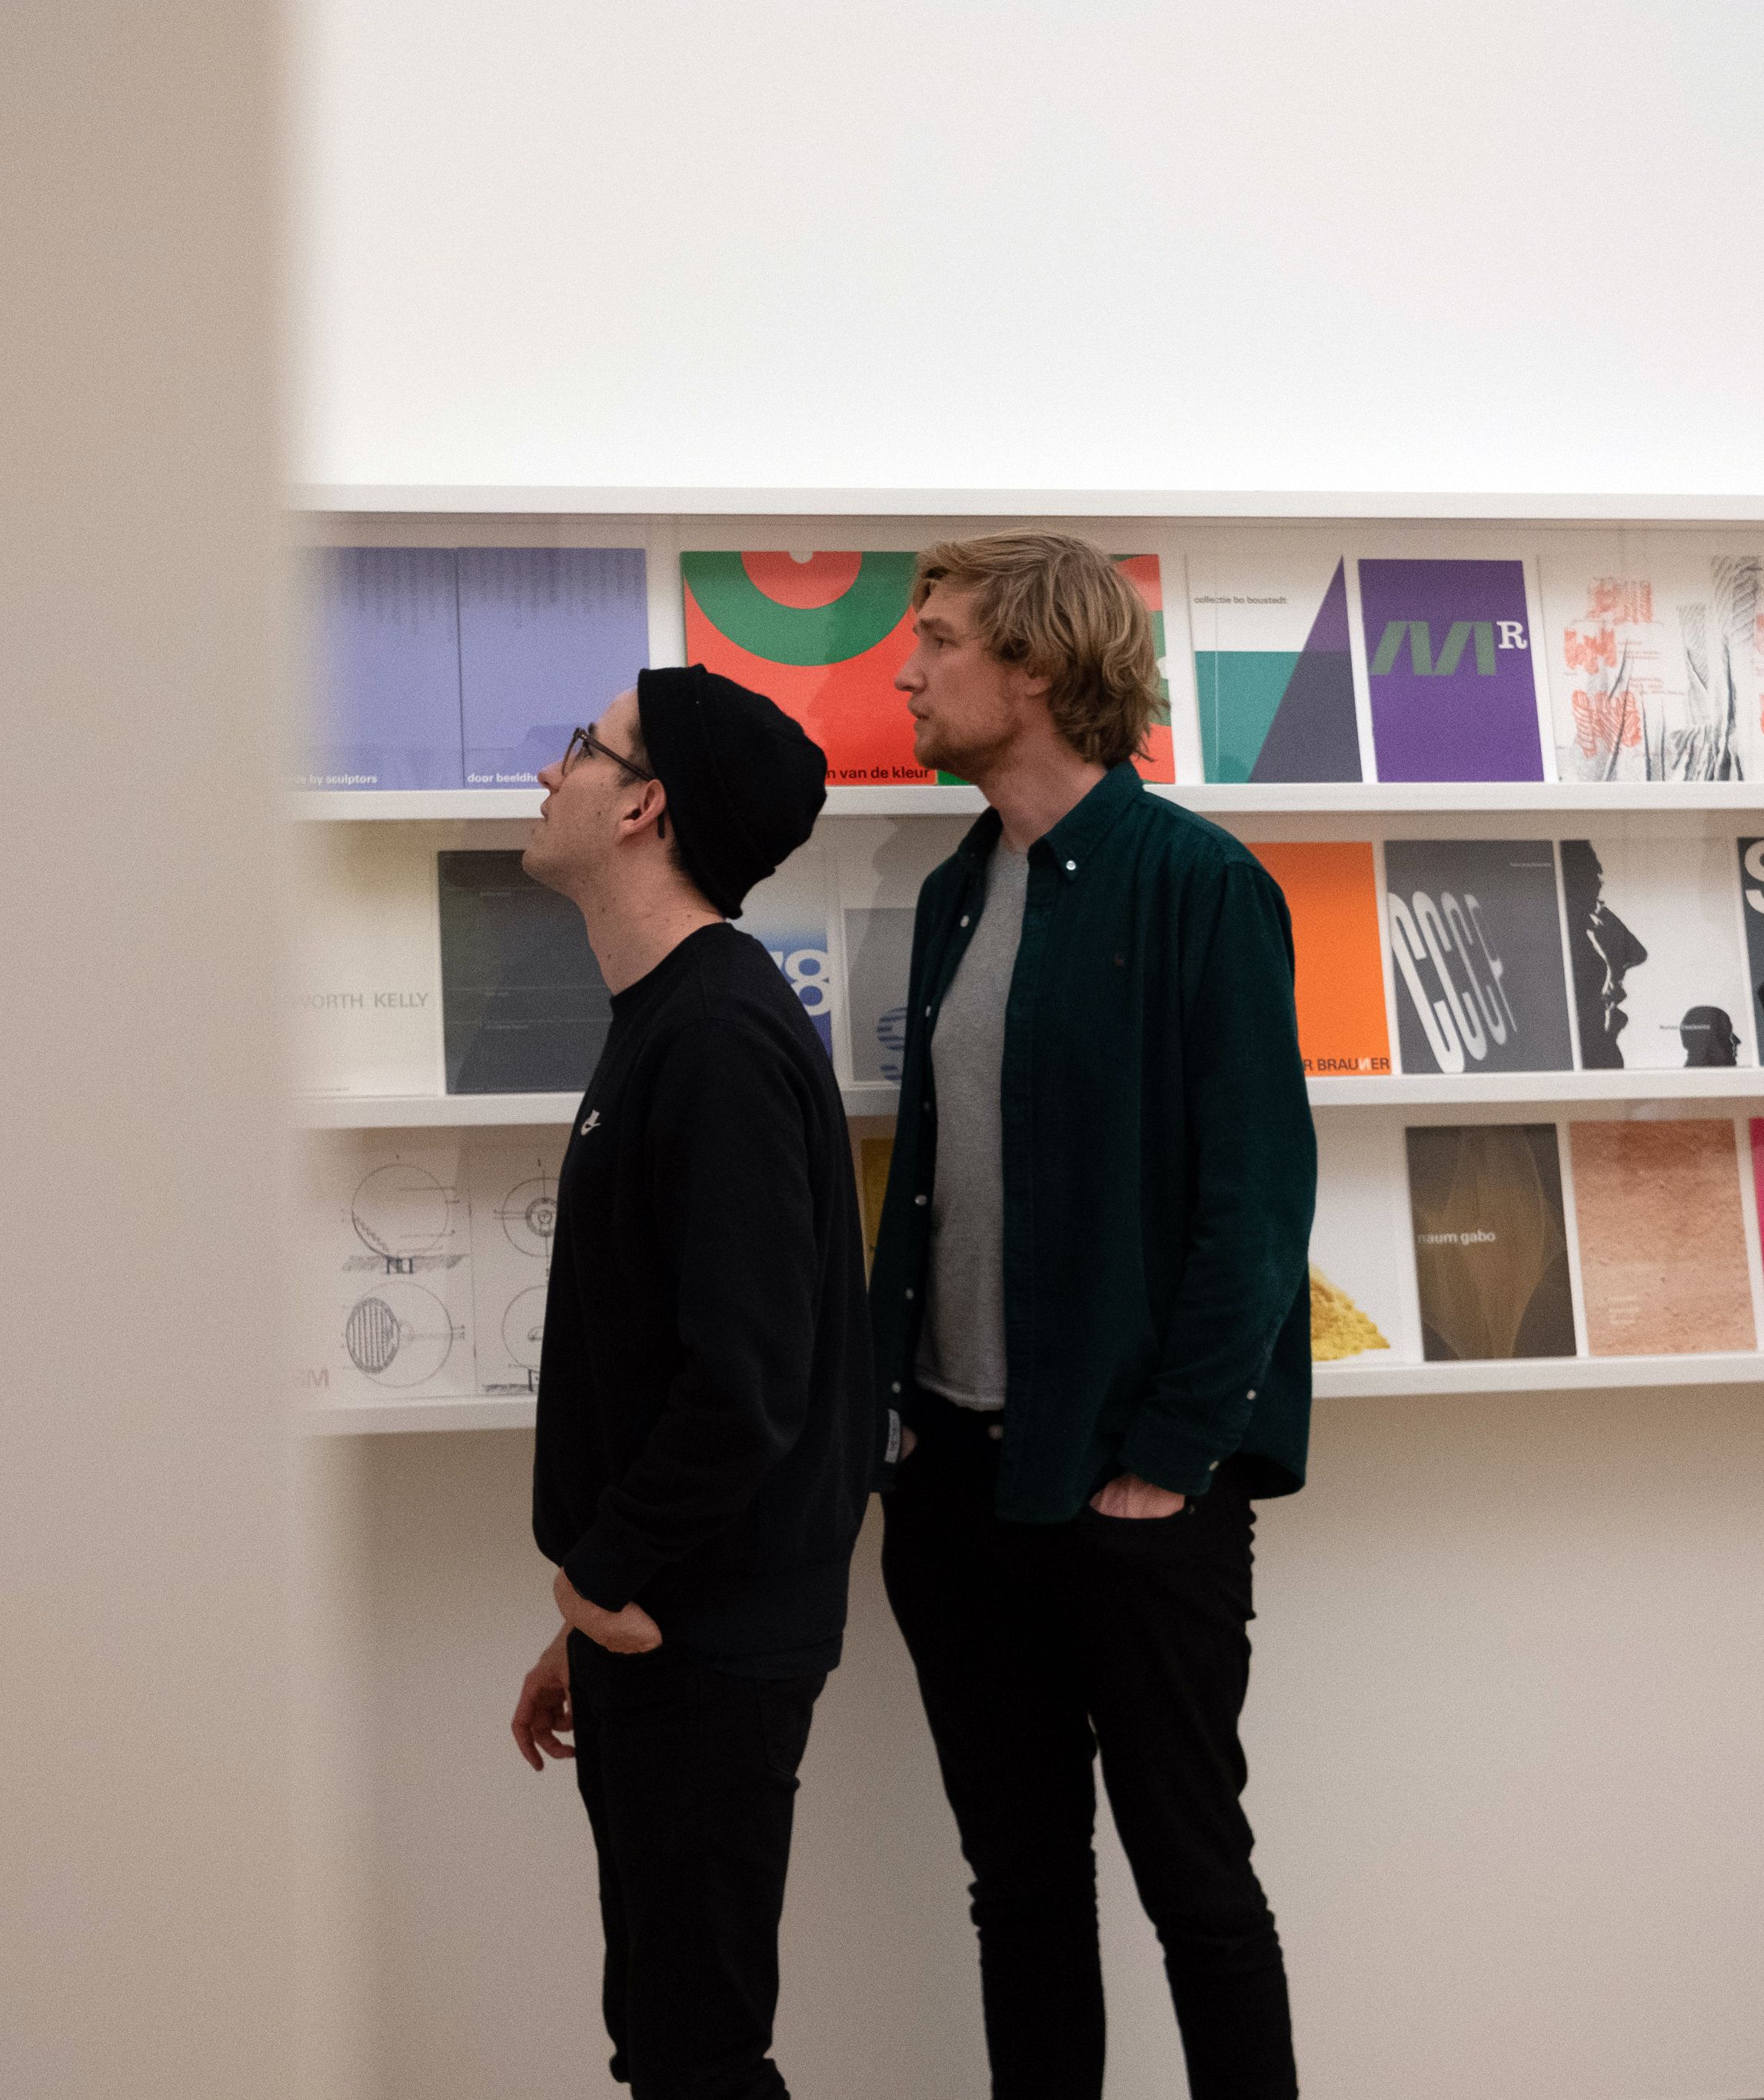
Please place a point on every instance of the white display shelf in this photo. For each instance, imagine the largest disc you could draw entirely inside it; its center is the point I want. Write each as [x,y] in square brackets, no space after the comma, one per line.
[1413,506]
[1368,1380]
[1351,1381]
[1399,1090]
[1302,798]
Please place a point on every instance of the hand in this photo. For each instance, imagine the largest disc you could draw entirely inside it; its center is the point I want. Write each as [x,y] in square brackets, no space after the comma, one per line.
[629,1632]
[544,1706]
[1127,1495]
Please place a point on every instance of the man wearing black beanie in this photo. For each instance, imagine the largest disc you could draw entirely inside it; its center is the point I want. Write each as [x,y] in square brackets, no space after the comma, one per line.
[706,1428]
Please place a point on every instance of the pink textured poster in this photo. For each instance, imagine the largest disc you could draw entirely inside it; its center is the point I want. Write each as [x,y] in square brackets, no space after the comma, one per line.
[1663,1259]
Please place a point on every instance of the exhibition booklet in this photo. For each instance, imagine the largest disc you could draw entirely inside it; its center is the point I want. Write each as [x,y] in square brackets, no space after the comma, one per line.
[1491,1246]
[1663,1270]
[549,638]
[384,702]
[1654,943]
[1449,669]
[1273,667]
[824,636]
[1655,657]
[524,1008]
[1476,945]
[1331,892]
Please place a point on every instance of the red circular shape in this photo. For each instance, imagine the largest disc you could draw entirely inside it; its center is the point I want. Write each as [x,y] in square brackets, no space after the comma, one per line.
[804,585]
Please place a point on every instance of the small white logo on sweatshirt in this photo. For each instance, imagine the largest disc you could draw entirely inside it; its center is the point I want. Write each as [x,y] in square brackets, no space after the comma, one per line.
[593,1121]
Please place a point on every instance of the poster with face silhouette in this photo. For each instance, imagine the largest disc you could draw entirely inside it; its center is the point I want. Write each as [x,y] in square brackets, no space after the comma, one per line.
[1654,940]
[1752,896]
[1476,944]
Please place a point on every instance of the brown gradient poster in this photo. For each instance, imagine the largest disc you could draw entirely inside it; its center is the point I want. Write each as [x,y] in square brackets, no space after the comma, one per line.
[1491,1247]
[1662,1234]
[1331,891]
[872,1154]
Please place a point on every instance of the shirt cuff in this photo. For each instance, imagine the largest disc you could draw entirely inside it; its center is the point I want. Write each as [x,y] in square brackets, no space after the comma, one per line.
[606,1569]
[1170,1457]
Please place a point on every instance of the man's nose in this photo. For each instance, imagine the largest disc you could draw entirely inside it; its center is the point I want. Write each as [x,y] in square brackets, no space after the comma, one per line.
[551,776]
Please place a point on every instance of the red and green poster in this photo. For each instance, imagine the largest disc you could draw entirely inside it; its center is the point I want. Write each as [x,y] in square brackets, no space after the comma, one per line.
[825,636]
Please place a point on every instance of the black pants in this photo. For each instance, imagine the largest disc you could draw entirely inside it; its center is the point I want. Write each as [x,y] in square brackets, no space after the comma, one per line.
[690,1777]
[1036,1646]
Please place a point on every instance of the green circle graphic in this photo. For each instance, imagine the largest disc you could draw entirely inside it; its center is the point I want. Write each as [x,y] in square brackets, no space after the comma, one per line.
[834,633]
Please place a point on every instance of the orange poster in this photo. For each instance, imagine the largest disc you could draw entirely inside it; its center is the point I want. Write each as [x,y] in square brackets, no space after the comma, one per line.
[1333,897]
[825,635]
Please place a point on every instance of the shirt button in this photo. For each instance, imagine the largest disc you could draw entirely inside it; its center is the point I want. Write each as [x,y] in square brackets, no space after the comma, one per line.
[995,1430]
[927,1013]
[965,918]
[1250,1394]
[1071,867]
[921,1199]
[1213,1468]
[896,1386]
[909,1293]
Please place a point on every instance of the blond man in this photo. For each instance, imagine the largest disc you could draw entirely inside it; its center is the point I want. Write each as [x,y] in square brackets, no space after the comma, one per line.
[1090,1304]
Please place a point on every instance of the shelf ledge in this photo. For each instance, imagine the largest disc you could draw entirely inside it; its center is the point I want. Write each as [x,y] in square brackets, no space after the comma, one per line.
[1346,1381]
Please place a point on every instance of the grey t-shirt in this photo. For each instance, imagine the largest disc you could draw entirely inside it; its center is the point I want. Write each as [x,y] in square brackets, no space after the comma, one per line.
[961,1346]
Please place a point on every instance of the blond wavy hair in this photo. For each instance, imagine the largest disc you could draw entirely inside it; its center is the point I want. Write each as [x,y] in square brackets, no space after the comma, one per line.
[1061,609]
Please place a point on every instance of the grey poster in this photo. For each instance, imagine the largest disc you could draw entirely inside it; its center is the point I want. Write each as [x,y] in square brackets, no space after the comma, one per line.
[1752,891]
[1476,949]
[878,947]
[524,1008]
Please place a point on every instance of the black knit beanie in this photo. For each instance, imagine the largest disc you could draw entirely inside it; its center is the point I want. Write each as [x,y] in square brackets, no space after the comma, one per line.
[744,783]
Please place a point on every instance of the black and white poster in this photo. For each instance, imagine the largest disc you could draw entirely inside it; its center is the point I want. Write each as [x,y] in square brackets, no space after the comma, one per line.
[1752,896]
[1476,950]
[1655,945]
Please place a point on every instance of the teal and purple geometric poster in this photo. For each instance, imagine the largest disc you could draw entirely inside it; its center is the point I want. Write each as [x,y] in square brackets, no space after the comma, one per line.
[1449,659]
[1273,673]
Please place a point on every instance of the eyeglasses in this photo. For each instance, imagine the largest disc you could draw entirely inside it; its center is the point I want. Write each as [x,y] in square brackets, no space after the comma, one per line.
[584,740]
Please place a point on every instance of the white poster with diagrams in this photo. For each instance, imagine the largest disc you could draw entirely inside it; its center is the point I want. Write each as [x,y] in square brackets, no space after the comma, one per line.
[384,1305]
[365,986]
[424,1266]
[513,1188]
[882,864]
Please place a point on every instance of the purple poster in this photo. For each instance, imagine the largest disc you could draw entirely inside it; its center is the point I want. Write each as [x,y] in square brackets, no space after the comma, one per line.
[384,707]
[548,636]
[1449,658]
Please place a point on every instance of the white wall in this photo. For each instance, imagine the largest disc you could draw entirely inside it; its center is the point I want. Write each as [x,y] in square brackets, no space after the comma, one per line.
[1032,244]
[147,1948]
[1503,1729]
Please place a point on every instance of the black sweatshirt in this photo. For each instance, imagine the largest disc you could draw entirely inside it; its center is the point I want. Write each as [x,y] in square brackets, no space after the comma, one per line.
[707,1426]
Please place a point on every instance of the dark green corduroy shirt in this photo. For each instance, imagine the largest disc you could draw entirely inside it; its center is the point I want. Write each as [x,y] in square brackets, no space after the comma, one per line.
[1159,1162]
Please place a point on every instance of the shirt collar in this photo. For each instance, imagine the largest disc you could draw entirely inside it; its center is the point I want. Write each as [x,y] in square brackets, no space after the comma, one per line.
[1078,832]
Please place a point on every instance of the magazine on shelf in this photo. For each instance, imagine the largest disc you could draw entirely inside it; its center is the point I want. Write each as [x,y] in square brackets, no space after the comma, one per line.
[1491,1243]
[882,864]
[1273,667]
[1653,938]
[788,914]
[1362,1271]
[1751,912]
[1476,945]
[384,1252]
[1331,891]
[548,637]
[1655,655]
[825,636]
[524,1008]
[383,704]
[364,988]
[1663,1268]
[513,1188]
[1449,669]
